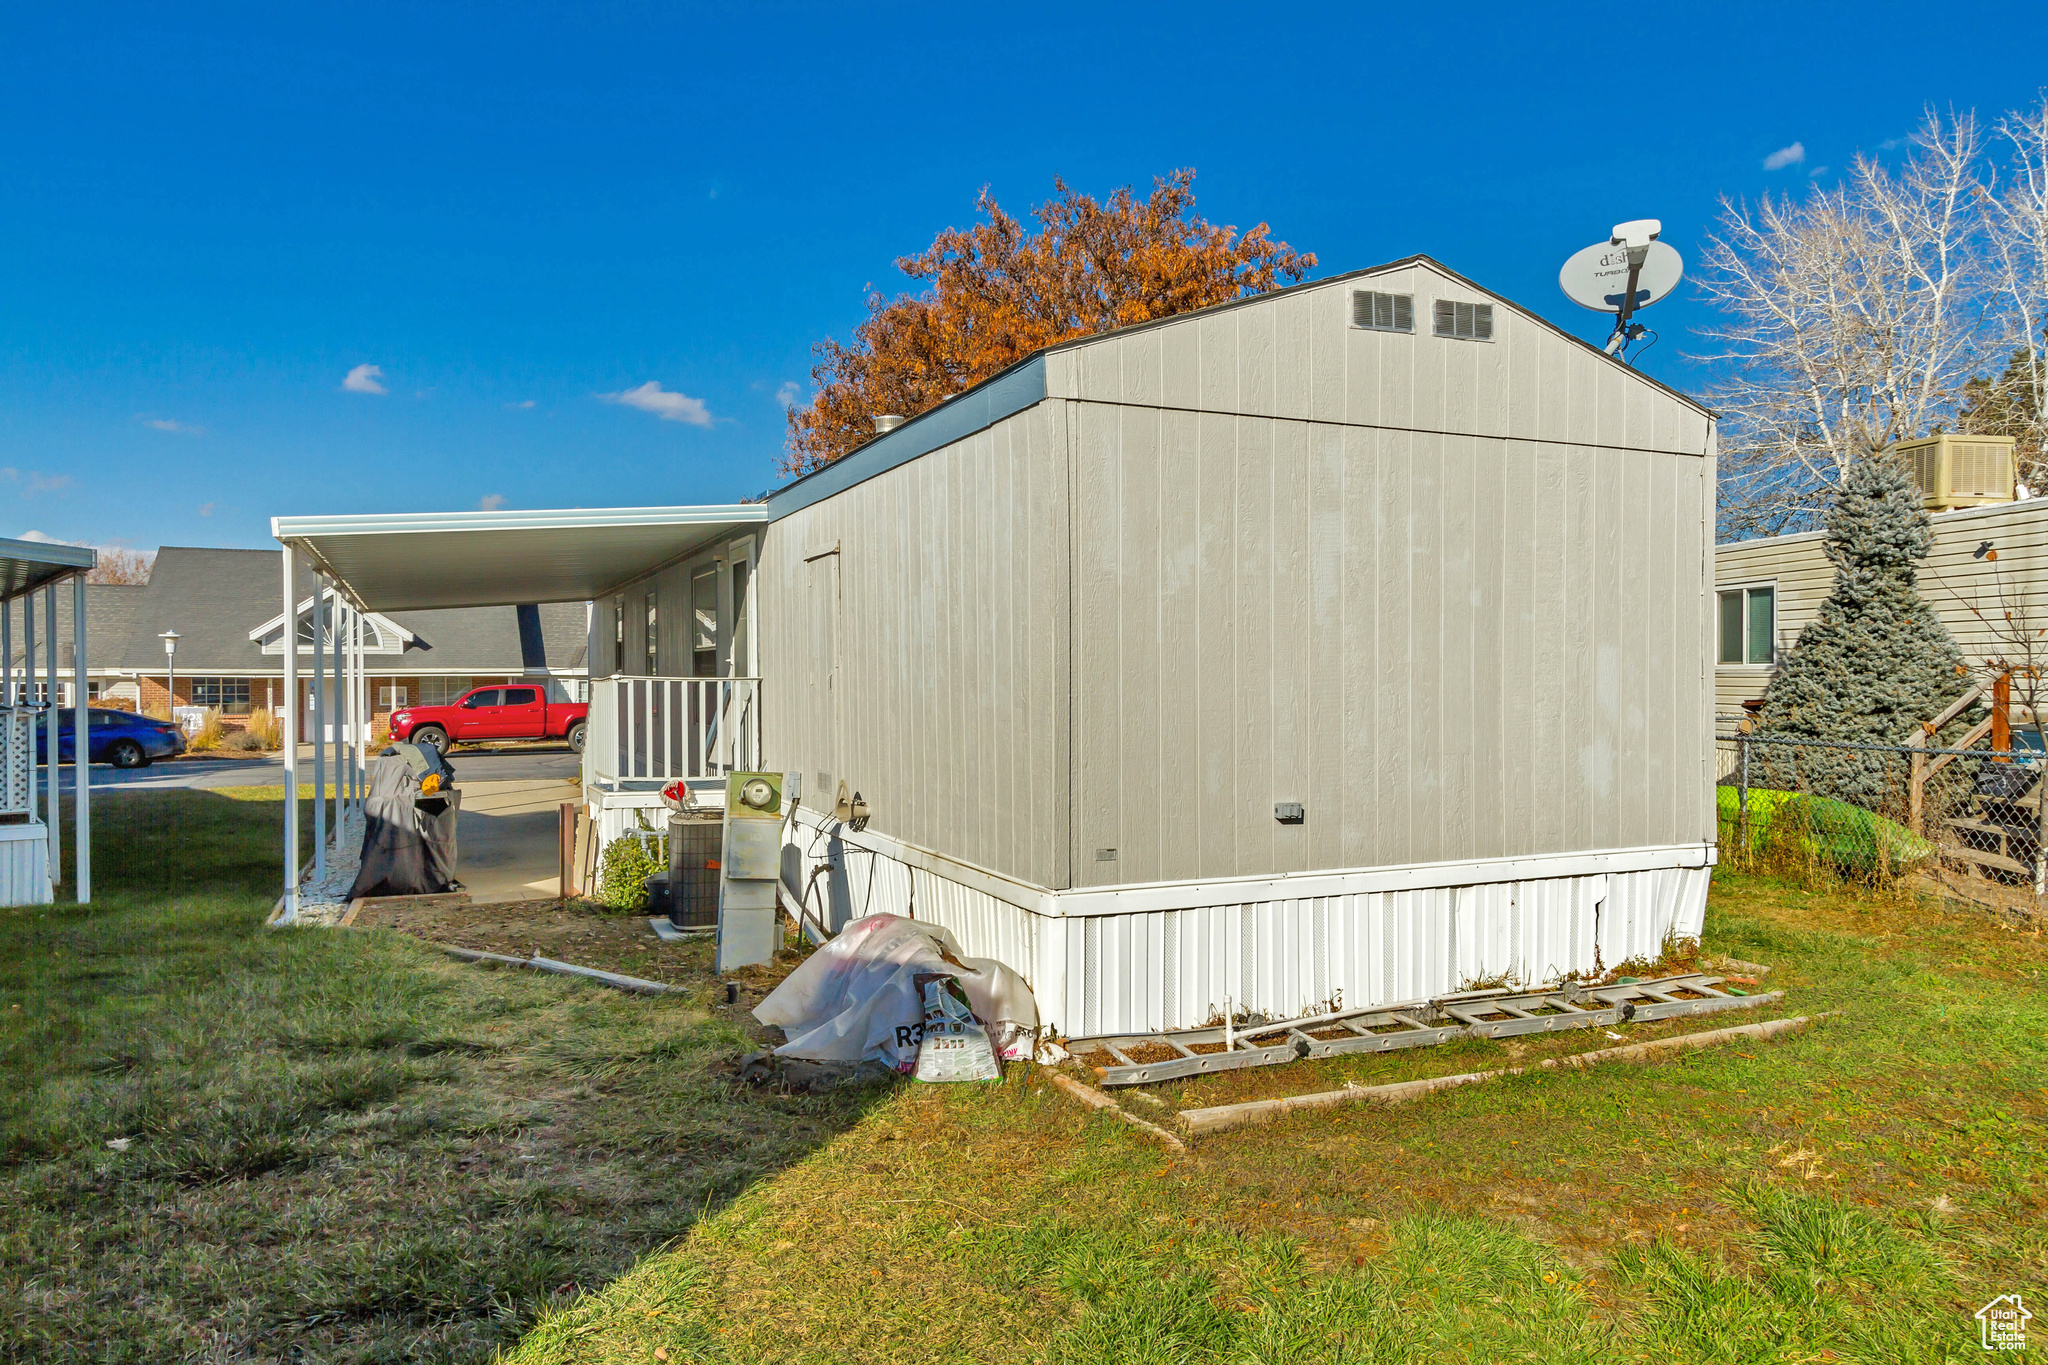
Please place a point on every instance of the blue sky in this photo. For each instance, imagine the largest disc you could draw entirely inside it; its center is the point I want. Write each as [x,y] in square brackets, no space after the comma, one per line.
[211,219]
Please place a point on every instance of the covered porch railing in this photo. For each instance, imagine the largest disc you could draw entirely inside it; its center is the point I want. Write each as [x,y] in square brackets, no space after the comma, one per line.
[647,732]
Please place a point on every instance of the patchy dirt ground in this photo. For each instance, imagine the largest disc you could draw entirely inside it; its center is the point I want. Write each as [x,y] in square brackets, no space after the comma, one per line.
[570,931]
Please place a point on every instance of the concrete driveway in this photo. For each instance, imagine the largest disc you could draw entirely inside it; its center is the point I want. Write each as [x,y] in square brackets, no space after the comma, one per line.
[505,840]
[521,764]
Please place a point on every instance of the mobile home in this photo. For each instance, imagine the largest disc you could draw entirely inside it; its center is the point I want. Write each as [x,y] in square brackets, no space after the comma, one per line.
[1344,644]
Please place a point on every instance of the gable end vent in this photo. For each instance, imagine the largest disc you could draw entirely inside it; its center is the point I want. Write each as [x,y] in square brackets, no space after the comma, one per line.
[1382,312]
[1466,321]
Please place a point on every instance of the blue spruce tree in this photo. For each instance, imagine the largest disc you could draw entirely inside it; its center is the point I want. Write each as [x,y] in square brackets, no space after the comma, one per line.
[1876,662]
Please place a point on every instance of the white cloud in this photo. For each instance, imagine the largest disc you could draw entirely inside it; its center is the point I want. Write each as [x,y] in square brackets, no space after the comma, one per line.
[39,538]
[526,404]
[170,424]
[1816,173]
[1891,144]
[789,393]
[365,379]
[1785,156]
[669,407]
[490,502]
[205,509]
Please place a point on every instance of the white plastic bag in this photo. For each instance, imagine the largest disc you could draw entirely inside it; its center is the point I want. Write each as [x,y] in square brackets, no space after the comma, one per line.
[856,998]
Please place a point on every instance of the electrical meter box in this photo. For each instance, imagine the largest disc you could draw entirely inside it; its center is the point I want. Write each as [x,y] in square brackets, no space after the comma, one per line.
[750,868]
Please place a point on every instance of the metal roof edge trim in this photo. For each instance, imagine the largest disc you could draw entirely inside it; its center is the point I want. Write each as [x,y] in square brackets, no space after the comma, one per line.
[50,552]
[572,519]
[1003,394]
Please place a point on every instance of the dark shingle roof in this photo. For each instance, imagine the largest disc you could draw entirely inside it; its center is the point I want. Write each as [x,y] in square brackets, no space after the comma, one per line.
[214,598]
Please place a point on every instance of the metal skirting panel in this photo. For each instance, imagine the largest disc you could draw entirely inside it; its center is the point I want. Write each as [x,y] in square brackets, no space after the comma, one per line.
[1282,958]
[24,865]
[1144,970]
[867,882]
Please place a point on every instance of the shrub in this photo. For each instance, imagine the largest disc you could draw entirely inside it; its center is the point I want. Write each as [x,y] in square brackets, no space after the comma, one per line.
[210,733]
[628,862]
[263,730]
[1792,828]
[243,742]
[112,704]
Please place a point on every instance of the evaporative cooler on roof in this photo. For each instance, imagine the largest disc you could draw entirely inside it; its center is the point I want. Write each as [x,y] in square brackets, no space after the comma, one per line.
[1383,312]
[1466,321]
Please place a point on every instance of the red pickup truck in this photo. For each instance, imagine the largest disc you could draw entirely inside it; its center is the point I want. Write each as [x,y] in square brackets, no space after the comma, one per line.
[485,715]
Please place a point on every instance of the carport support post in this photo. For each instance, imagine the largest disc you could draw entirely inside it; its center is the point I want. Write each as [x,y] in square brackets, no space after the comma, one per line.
[291,741]
[317,712]
[28,673]
[81,749]
[346,668]
[50,738]
[341,710]
[366,714]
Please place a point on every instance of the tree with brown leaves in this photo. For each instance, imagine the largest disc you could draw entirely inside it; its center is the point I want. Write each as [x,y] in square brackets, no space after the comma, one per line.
[998,291]
[121,566]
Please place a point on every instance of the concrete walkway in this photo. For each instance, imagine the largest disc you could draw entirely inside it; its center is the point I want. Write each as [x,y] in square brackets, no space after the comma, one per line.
[505,839]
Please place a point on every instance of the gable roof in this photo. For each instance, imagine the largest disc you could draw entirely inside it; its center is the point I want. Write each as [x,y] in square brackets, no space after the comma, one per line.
[1023,384]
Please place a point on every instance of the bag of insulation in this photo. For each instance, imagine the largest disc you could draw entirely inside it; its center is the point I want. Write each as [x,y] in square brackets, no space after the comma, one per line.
[857,998]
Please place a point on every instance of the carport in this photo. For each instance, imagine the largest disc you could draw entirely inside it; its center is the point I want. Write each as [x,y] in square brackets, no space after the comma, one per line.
[416,561]
[31,851]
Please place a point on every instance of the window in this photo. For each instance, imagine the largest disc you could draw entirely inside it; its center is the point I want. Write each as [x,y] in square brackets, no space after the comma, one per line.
[229,695]
[489,696]
[653,638]
[441,691]
[704,624]
[1383,312]
[742,648]
[521,696]
[618,635]
[1749,626]
[1465,321]
[390,698]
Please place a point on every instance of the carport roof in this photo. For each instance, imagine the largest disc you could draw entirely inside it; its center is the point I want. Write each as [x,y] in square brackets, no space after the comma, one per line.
[415,561]
[26,565]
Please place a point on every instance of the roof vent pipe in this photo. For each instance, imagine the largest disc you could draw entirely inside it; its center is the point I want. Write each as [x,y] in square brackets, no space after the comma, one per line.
[886,422]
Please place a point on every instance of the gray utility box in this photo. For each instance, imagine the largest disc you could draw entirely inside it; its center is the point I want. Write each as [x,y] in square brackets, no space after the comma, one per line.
[751,869]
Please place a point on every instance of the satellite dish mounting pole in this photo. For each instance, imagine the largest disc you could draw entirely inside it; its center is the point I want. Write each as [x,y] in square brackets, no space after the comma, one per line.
[1636,236]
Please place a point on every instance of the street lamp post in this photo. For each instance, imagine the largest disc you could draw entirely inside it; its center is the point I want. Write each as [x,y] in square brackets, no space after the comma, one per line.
[170,639]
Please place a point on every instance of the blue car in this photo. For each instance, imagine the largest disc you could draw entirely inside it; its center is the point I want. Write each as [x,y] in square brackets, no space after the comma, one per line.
[121,738]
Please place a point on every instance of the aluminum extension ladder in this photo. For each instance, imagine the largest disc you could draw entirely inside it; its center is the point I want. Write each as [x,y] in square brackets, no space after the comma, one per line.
[1496,1013]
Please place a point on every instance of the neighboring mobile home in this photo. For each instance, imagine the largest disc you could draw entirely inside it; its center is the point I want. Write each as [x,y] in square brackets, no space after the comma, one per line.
[1987,577]
[1349,643]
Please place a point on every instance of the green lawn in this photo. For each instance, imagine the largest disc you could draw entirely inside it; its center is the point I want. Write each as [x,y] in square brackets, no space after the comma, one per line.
[339,1146]
[346,1148]
[1852,1193]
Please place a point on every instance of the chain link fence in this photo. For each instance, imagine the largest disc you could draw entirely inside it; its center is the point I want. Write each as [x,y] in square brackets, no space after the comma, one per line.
[1879,814]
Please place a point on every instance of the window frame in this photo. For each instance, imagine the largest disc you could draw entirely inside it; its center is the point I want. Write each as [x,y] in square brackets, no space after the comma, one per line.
[1746,587]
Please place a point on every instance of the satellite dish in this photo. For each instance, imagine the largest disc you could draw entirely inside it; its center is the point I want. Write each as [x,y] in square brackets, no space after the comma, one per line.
[1597,278]
[1630,270]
